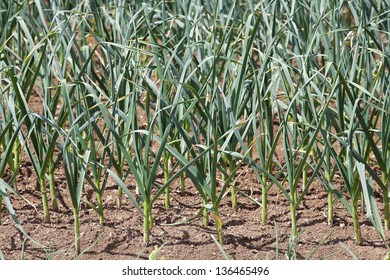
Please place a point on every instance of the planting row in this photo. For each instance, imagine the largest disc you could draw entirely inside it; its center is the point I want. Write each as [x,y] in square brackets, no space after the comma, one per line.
[196,91]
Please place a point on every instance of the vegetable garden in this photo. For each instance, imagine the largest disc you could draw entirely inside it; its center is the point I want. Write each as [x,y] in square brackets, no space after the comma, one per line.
[248,123]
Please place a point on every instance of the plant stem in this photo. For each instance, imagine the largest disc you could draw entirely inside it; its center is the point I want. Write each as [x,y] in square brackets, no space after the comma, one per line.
[76,230]
[218,224]
[15,161]
[46,214]
[182,184]
[221,240]
[167,201]
[330,207]
[250,141]
[100,207]
[205,215]
[386,181]
[234,197]
[304,176]
[151,223]
[225,166]
[328,179]
[182,176]
[119,199]
[356,226]
[53,194]
[147,109]
[120,191]
[187,157]
[234,187]
[386,210]
[294,231]
[264,199]
[147,219]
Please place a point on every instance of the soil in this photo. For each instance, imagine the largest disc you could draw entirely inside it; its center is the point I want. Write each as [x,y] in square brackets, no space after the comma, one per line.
[245,238]
[121,237]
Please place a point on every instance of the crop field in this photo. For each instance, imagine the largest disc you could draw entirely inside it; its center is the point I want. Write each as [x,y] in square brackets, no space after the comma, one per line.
[194,129]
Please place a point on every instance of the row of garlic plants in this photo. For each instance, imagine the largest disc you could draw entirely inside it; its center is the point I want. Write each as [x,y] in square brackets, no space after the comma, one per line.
[196,90]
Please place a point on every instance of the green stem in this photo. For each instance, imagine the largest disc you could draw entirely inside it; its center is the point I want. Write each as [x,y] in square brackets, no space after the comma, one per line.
[218,224]
[224,164]
[120,191]
[76,230]
[328,179]
[330,206]
[151,223]
[167,201]
[294,231]
[264,201]
[363,205]
[355,215]
[15,156]
[53,193]
[304,176]
[221,240]
[356,226]
[205,215]
[328,171]
[100,207]
[187,156]
[182,184]
[147,109]
[234,197]
[250,141]
[147,218]
[15,162]
[234,187]
[386,209]
[46,214]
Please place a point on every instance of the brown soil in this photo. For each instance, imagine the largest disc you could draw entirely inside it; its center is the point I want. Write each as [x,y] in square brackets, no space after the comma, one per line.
[121,237]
